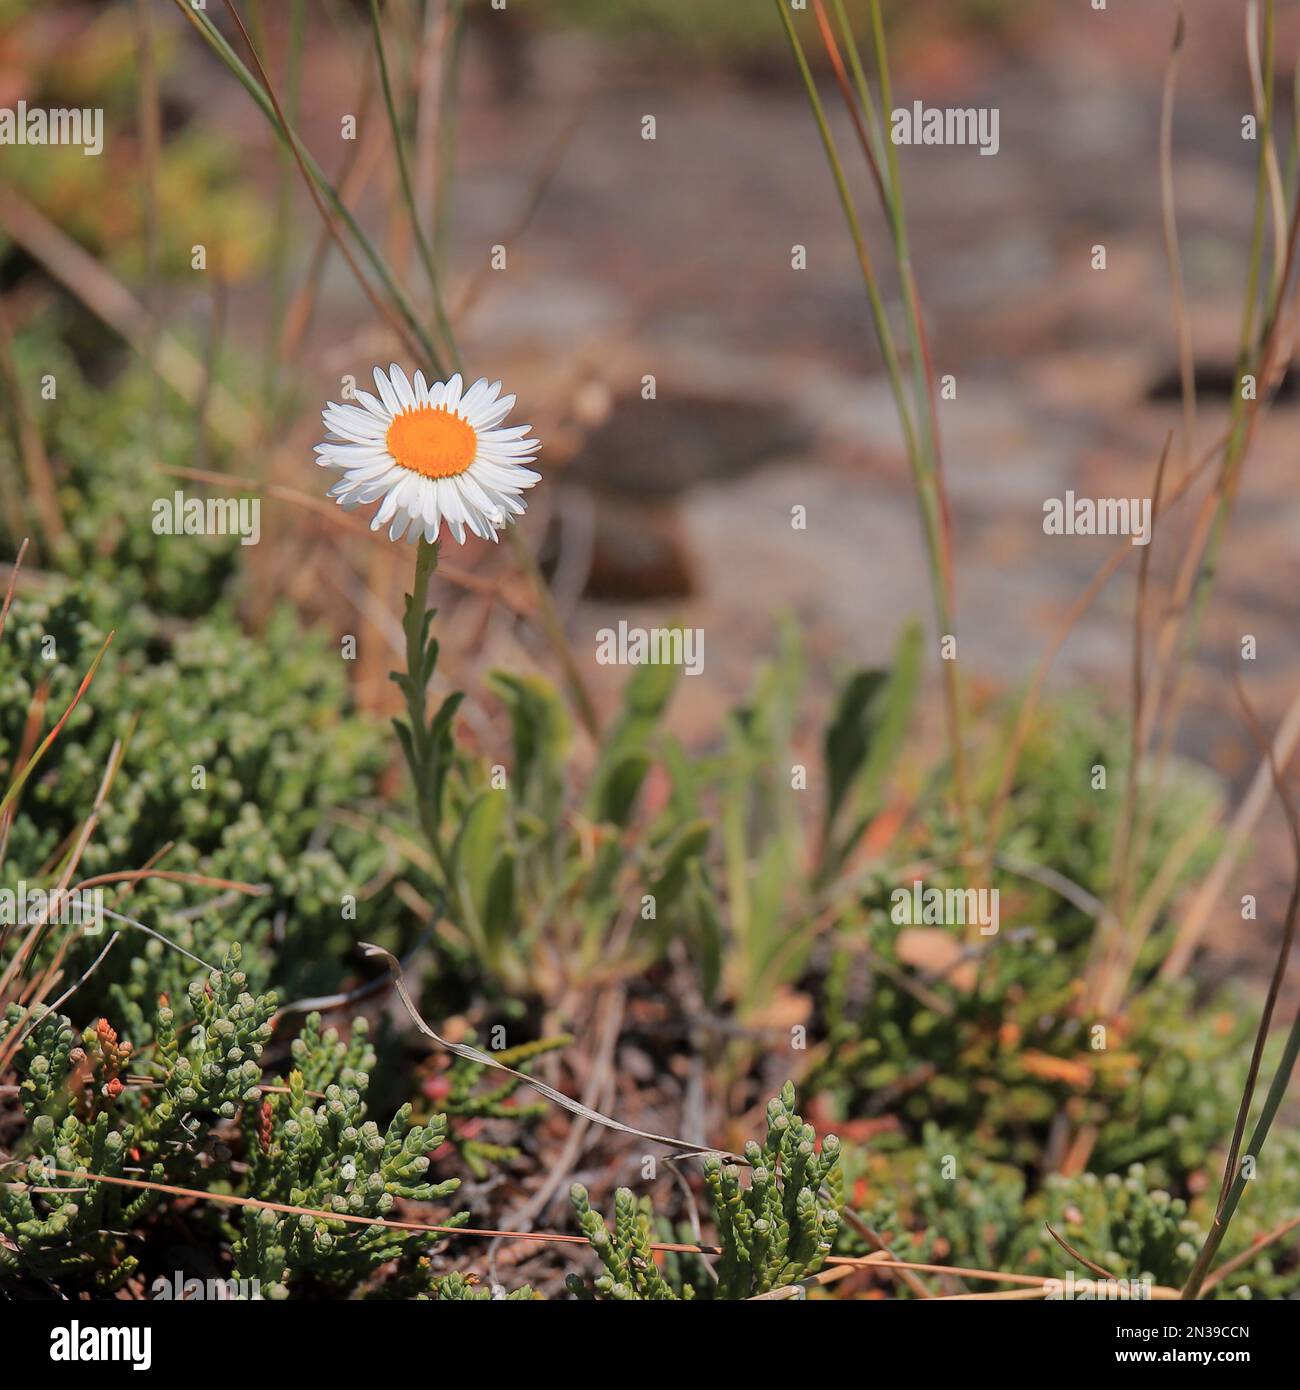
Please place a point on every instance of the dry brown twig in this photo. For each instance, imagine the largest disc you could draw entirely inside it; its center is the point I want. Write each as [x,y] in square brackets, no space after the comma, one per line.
[485,1059]
[1036,1282]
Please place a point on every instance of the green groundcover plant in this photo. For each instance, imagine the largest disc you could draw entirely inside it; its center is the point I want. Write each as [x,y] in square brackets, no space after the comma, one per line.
[157,1069]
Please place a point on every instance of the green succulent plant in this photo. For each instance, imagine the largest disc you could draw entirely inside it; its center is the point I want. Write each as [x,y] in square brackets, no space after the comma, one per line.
[314,1147]
[774,1229]
[85,1117]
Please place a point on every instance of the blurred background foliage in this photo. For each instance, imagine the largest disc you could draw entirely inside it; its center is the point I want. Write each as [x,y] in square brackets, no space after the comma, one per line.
[61,56]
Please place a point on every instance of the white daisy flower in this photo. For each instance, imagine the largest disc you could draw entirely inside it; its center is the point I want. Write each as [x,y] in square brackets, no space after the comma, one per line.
[432,453]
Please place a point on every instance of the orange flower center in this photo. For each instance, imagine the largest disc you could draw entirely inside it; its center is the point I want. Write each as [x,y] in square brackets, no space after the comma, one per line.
[431,441]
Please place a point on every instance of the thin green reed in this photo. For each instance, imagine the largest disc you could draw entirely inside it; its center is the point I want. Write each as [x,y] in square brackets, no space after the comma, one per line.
[408,195]
[397,296]
[1250,352]
[879,318]
[1236,1173]
[1223,1218]
[918,421]
[1255,356]
[282,216]
[448,108]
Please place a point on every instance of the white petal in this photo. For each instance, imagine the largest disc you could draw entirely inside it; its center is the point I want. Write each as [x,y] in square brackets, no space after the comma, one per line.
[386,392]
[401,386]
[345,434]
[351,423]
[504,455]
[356,410]
[507,503]
[504,475]
[492,413]
[472,400]
[385,512]
[522,452]
[368,491]
[353,455]
[452,508]
[380,468]
[432,512]
[474,495]
[354,482]
[405,487]
[507,436]
[376,407]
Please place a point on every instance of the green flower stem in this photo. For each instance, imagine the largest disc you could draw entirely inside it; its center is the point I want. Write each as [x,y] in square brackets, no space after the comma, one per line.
[429,749]
[421,654]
